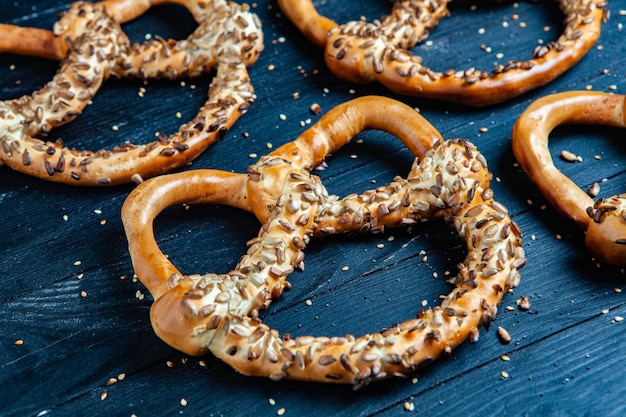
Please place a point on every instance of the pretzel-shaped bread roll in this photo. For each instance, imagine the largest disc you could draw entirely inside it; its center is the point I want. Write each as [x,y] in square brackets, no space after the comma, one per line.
[93,47]
[364,52]
[219,313]
[604,220]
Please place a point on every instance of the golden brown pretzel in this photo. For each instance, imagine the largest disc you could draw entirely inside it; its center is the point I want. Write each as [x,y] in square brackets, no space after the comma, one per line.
[93,47]
[219,313]
[363,52]
[604,220]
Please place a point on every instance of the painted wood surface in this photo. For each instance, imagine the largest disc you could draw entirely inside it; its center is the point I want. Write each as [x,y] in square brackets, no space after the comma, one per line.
[86,346]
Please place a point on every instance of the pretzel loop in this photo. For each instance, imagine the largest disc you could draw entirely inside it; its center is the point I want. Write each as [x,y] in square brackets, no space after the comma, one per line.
[93,47]
[219,313]
[604,220]
[363,52]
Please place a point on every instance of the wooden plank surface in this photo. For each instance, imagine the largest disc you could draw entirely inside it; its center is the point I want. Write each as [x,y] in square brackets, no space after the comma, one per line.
[67,290]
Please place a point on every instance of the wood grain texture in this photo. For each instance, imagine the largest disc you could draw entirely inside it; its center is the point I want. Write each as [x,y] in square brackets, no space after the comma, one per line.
[68,293]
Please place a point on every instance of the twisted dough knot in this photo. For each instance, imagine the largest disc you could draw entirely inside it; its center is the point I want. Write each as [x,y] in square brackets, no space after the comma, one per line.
[93,47]
[604,220]
[219,313]
[363,52]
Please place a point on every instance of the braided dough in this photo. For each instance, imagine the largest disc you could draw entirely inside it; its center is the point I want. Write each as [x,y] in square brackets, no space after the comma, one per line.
[92,47]
[363,52]
[219,313]
[603,220]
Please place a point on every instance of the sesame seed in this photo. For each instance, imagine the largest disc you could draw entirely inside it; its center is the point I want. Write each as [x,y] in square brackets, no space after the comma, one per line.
[18,342]
[308,302]
[617,290]
[121,376]
[178,115]
[103,396]
[499,55]
[504,374]
[481,31]
[505,358]
[115,128]
[83,294]
[280,411]
[558,237]
[282,117]
[619,319]
[66,217]
[183,402]
[345,268]
[483,129]
[271,401]
[252,155]
[111,381]
[76,263]
[169,364]
[409,406]
[380,246]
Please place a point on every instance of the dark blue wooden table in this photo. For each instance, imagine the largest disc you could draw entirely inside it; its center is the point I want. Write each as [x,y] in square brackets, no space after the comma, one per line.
[75,333]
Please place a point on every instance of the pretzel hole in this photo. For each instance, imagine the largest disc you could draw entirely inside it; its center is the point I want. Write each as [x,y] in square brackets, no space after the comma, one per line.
[363,153]
[590,142]
[202,238]
[366,283]
[492,33]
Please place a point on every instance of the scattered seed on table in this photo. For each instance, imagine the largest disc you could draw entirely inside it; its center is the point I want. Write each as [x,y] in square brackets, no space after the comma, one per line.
[504,335]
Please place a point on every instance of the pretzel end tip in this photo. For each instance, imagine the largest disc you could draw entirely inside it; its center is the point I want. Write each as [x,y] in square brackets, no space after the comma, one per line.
[606,239]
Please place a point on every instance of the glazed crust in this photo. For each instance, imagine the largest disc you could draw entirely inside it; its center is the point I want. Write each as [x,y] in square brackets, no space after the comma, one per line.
[363,52]
[605,219]
[92,48]
[219,313]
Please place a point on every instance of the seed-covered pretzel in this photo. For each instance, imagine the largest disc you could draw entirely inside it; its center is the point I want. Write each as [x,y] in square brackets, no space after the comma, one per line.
[219,313]
[93,47]
[363,52]
[603,220]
